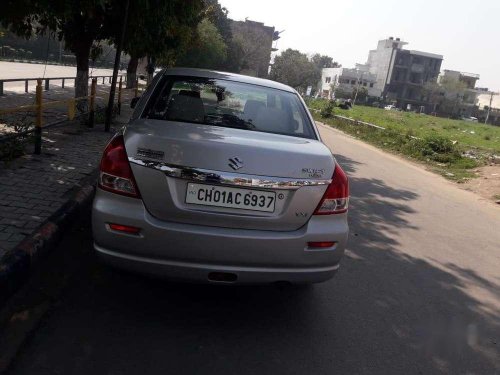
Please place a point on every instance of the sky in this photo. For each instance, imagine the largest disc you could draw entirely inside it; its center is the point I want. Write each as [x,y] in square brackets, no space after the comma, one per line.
[466,33]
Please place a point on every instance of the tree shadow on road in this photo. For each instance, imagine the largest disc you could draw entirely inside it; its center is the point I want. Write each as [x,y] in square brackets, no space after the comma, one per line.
[385,312]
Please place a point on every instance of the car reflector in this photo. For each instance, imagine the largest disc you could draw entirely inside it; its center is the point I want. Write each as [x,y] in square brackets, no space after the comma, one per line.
[321,244]
[124,228]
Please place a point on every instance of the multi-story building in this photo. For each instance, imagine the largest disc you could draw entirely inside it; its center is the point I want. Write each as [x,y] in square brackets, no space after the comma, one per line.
[401,73]
[257,45]
[468,79]
[346,81]
[458,93]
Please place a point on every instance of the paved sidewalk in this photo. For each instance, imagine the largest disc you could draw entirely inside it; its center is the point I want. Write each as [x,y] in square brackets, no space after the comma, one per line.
[34,187]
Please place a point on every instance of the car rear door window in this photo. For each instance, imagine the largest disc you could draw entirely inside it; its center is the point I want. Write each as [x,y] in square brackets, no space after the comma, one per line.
[216,102]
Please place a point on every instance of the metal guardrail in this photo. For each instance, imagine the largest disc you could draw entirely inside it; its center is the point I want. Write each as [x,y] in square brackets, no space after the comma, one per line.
[47,81]
[71,103]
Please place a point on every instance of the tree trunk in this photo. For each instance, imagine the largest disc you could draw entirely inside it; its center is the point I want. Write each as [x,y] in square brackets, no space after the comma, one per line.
[132,72]
[82,53]
[151,68]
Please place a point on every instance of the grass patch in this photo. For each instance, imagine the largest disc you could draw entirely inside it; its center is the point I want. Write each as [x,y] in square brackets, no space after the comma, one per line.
[466,134]
[451,147]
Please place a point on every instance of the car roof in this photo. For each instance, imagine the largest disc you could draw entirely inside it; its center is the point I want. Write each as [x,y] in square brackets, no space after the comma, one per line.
[192,72]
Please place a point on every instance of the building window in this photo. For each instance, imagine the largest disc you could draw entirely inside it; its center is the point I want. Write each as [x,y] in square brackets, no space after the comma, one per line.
[353,82]
[371,84]
[364,84]
[328,79]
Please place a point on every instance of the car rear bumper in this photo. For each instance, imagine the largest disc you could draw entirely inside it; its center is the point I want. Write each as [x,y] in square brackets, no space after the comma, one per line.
[195,252]
[206,272]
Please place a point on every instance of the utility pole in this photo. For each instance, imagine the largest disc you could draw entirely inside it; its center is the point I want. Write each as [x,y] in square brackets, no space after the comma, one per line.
[489,108]
[357,87]
[109,109]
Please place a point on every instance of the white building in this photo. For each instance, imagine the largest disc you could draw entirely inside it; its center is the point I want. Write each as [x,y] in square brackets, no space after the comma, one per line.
[346,80]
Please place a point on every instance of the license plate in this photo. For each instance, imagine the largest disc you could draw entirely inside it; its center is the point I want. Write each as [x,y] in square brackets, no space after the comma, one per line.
[220,196]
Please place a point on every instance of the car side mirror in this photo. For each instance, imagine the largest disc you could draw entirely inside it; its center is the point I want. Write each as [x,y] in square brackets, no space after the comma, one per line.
[134,101]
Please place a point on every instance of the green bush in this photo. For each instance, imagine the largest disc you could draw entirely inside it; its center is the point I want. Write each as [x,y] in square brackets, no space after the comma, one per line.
[439,144]
[328,110]
[14,145]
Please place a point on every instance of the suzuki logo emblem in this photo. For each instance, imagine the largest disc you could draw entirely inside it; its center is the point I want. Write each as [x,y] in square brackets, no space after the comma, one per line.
[236,163]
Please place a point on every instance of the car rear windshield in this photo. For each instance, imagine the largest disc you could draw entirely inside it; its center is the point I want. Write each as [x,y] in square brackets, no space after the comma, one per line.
[217,102]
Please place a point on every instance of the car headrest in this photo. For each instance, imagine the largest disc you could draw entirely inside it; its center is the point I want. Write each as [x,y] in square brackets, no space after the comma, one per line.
[185,108]
[251,109]
[193,94]
[272,120]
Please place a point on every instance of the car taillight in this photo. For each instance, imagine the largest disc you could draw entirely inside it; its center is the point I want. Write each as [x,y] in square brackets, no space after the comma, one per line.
[336,197]
[115,173]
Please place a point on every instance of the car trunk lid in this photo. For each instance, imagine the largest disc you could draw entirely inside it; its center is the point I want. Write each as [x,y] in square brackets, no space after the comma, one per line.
[168,156]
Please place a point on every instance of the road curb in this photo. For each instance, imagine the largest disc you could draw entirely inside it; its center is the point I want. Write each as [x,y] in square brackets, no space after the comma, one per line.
[17,264]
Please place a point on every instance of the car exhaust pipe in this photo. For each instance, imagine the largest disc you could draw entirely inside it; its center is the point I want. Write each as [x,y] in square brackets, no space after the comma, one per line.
[222,277]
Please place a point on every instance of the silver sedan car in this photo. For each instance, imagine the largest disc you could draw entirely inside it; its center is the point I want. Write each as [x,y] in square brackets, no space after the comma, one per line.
[221,178]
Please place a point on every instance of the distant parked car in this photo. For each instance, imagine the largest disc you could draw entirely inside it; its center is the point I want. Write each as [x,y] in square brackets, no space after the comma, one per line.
[470,119]
[221,178]
[390,107]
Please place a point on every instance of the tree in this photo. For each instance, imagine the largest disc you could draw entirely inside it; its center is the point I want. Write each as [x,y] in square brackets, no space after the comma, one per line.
[342,93]
[434,94]
[324,61]
[445,96]
[208,50]
[235,56]
[83,24]
[218,16]
[293,68]
[252,48]
[360,93]
[160,31]
[454,94]
[80,23]
[236,52]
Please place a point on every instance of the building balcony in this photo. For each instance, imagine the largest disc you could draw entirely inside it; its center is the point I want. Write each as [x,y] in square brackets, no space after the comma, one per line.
[417,68]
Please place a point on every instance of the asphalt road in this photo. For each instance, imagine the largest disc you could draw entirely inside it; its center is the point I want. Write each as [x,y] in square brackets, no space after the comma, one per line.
[418,293]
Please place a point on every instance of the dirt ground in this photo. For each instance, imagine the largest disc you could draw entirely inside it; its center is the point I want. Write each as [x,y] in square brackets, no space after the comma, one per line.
[487,184]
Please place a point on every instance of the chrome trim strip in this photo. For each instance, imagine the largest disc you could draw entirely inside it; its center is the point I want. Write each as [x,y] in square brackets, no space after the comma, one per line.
[227,178]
